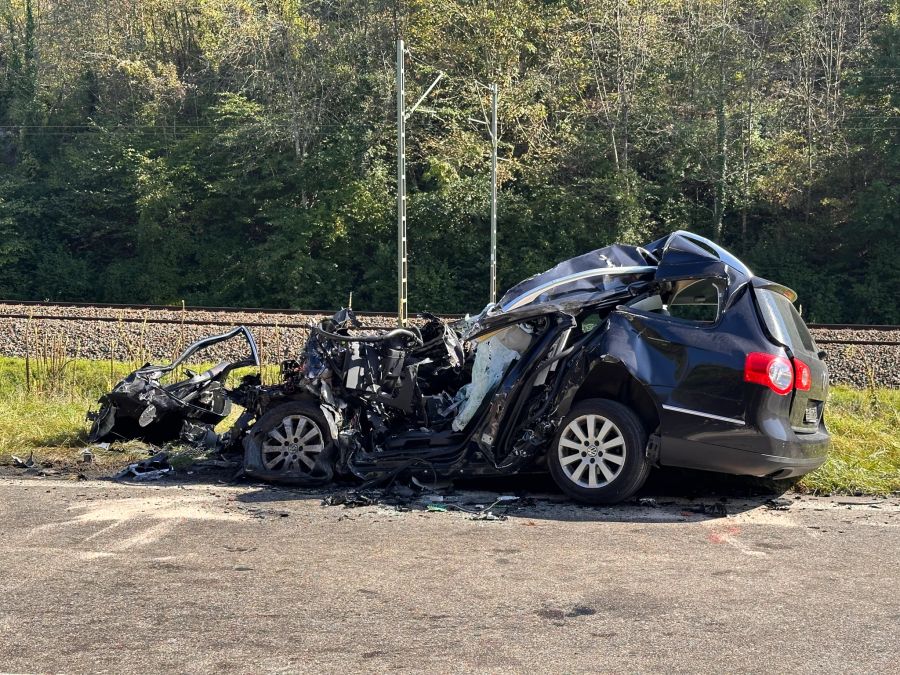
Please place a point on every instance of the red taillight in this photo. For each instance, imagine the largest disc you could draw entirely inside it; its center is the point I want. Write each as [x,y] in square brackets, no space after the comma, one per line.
[774,372]
[802,376]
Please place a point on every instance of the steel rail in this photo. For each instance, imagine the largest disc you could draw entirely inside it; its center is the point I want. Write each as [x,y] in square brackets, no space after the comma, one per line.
[304,312]
[135,319]
[195,308]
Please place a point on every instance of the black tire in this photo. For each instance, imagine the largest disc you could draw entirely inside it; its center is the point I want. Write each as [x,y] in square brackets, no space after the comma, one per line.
[576,456]
[296,465]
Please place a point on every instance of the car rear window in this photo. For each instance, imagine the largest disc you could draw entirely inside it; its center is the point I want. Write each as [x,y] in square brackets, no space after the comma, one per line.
[696,300]
[783,320]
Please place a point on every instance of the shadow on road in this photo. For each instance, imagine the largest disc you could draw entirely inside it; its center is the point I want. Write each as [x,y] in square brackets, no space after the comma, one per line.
[670,495]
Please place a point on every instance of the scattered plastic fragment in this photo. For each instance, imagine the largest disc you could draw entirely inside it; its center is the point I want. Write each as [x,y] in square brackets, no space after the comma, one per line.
[349,500]
[153,468]
[487,515]
[20,463]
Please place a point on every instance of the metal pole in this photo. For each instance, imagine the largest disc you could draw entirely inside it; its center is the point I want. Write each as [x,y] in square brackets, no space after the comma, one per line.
[494,192]
[401,187]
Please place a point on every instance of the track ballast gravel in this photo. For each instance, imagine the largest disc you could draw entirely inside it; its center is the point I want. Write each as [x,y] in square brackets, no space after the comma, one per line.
[158,335]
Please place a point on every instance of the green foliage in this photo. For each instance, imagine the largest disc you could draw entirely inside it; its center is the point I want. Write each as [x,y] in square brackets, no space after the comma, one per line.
[242,152]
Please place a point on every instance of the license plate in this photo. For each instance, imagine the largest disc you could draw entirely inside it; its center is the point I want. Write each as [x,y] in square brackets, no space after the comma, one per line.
[812,414]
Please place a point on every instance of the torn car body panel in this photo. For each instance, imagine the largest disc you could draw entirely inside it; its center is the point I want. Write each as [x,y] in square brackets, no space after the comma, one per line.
[141,406]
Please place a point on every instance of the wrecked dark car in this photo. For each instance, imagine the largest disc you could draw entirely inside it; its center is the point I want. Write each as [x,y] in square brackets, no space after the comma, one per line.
[142,406]
[618,360]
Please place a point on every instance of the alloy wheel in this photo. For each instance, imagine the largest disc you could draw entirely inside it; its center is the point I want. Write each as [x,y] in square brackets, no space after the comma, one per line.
[293,445]
[591,451]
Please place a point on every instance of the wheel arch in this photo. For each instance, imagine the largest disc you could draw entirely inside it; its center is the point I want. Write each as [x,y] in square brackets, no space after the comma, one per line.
[613,381]
[321,473]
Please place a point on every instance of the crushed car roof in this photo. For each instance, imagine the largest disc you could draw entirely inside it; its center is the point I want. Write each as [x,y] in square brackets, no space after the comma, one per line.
[609,274]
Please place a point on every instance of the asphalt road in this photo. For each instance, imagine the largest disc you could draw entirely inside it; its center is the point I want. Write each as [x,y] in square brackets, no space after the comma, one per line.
[102,577]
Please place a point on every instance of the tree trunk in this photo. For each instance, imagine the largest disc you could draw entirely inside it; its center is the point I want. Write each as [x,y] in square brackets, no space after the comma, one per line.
[721,134]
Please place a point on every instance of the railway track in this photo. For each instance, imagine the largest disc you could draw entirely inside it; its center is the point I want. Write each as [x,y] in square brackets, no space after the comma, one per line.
[114,319]
[184,311]
[191,308]
[857,355]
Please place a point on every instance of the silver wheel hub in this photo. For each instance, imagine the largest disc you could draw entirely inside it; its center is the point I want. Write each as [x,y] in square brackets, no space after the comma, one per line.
[591,451]
[293,445]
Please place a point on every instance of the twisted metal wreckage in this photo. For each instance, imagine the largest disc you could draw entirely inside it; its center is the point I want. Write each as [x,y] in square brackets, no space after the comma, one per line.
[611,362]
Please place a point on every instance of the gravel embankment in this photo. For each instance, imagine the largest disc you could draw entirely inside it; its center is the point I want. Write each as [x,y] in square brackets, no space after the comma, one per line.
[861,365]
[141,340]
[127,336]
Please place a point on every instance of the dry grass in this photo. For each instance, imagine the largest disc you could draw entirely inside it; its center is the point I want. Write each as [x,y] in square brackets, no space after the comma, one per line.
[54,428]
[45,414]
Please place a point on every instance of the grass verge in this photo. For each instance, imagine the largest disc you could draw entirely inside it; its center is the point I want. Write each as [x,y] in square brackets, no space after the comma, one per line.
[44,413]
[865,453]
[54,428]
[48,418]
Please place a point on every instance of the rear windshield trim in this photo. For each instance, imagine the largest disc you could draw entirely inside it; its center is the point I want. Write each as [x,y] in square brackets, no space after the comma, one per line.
[782,320]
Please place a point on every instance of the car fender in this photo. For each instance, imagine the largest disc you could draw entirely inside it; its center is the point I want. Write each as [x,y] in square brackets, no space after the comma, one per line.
[617,347]
[332,417]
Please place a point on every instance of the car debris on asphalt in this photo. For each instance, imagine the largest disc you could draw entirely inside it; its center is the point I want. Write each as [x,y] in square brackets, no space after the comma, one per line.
[20,463]
[401,500]
[716,509]
[152,468]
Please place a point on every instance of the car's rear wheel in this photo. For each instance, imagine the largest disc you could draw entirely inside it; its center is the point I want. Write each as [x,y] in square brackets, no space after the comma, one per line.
[598,455]
[290,443]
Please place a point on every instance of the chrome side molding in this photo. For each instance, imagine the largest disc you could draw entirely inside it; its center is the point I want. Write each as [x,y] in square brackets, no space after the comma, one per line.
[688,411]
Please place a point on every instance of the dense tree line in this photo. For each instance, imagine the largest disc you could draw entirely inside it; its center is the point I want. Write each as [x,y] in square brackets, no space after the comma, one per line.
[242,151]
